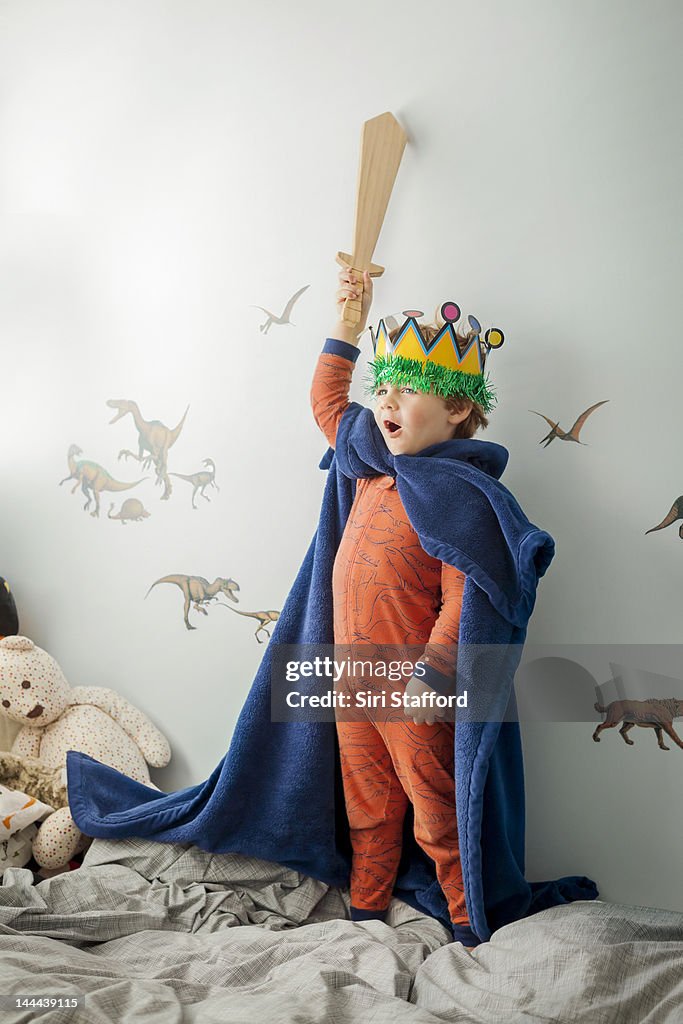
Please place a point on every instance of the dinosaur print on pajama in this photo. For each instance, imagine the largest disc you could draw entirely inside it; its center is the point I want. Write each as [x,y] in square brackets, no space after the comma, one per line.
[388,590]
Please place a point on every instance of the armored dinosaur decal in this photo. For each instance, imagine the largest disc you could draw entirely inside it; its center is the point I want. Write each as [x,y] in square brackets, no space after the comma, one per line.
[197,591]
[131,509]
[93,479]
[153,438]
[201,480]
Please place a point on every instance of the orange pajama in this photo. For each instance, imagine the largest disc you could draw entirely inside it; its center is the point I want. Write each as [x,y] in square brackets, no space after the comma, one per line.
[388,590]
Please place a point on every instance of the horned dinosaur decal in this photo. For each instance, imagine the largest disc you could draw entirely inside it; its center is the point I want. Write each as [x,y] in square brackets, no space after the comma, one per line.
[201,480]
[92,479]
[153,438]
[648,714]
[263,617]
[197,591]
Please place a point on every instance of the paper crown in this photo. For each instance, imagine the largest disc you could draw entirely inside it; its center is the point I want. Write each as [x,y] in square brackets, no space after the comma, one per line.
[451,364]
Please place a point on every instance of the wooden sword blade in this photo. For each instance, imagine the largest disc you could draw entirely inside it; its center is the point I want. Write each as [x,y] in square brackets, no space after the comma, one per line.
[382,143]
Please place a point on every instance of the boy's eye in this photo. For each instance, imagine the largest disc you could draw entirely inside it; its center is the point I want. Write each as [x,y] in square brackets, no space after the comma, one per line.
[382,391]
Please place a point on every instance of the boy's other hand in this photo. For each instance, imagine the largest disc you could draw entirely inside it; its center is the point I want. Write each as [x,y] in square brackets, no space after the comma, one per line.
[353,286]
[426,714]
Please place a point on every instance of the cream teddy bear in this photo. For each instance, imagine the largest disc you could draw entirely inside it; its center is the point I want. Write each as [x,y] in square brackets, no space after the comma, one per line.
[56,718]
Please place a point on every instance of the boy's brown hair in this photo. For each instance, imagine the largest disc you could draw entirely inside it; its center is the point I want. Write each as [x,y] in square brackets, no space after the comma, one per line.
[477,419]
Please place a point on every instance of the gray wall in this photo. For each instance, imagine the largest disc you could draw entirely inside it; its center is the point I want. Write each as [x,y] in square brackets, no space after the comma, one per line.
[165,165]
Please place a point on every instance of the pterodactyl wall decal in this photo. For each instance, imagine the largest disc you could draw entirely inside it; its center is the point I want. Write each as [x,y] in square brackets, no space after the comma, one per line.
[273,318]
[569,435]
[674,513]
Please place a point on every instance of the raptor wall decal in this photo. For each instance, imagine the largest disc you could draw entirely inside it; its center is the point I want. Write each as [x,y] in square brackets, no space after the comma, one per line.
[154,438]
[201,480]
[92,479]
[263,617]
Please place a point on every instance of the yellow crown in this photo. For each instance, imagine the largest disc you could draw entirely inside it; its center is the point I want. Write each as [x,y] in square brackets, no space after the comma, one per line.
[449,364]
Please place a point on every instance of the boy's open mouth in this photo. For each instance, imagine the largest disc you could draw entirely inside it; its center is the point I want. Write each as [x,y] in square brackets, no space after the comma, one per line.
[391,426]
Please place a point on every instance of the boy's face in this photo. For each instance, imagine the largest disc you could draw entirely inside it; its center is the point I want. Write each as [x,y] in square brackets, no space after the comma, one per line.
[411,420]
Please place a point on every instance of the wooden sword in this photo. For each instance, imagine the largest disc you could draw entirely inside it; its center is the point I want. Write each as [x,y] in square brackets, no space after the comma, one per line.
[382,143]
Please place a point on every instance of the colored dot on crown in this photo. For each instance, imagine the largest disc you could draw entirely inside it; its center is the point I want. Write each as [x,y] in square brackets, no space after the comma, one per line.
[450,311]
[416,313]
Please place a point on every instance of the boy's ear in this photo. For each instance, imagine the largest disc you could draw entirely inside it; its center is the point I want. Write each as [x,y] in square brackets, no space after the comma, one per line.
[458,411]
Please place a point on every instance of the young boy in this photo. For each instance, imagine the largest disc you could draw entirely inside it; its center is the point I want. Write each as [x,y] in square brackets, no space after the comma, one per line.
[388,590]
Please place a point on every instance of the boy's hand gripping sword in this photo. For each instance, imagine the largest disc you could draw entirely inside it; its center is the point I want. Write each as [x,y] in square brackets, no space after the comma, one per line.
[381,148]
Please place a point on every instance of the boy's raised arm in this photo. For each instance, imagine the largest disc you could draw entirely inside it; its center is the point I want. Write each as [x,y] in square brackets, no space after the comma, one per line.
[333,371]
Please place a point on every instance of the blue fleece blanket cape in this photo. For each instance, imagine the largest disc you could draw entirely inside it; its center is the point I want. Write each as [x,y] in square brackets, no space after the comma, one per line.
[277,793]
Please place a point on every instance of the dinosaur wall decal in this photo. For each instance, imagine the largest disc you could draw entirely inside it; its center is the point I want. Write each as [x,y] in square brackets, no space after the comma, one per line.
[263,617]
[201,480]
[197,591]
[154,441]
[131,509]
[273,318]
[566,435]
[92,479]
[673,515]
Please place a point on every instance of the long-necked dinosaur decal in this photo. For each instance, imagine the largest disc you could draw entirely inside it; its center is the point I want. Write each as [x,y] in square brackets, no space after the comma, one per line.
[201,480]
[197,591]
[263,617]
[154,438]
[92,479]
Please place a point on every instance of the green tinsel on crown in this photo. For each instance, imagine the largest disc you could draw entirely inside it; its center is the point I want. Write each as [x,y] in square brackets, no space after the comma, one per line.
[399,370]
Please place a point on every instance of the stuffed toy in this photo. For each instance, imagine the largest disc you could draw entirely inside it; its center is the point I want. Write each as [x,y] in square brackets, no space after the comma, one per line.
[9,619]
[56,718]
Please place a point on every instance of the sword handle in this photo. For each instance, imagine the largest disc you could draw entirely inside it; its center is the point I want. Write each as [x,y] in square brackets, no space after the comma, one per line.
[351,310]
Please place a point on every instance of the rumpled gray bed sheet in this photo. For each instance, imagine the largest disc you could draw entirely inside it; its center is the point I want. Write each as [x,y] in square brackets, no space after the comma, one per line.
[167,933]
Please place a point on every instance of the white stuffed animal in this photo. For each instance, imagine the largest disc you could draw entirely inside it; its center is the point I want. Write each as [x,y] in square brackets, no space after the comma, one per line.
[56,718]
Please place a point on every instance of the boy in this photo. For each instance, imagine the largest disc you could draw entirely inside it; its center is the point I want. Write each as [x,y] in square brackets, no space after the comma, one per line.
[388,590]
[273,795]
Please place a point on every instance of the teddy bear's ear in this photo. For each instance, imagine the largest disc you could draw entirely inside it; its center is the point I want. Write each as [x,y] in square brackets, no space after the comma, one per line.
[17,643]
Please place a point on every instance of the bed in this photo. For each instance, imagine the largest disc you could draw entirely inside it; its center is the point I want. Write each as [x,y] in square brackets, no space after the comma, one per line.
[167,933]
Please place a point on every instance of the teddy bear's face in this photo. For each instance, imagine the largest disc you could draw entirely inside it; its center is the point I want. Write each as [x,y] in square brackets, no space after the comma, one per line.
[33,690]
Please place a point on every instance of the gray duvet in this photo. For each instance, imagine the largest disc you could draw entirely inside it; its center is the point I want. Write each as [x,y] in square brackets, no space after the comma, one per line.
[166,933]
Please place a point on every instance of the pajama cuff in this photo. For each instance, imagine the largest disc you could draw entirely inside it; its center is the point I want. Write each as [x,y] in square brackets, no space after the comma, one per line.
[334,347]
[461,933]
[367,915]
[443,684]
